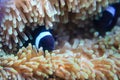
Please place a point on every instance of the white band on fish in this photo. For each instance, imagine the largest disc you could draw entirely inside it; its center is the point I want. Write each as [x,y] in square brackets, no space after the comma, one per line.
[40,36]
[111,10]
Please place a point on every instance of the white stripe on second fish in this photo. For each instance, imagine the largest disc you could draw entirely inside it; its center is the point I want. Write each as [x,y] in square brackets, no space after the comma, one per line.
[111,10]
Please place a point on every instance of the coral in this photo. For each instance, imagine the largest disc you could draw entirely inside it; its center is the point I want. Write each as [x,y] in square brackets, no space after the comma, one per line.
[18,14]
[96,59]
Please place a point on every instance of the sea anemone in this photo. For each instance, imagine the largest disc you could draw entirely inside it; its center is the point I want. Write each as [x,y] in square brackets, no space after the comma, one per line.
[22,13]
[85,59]
[97,61]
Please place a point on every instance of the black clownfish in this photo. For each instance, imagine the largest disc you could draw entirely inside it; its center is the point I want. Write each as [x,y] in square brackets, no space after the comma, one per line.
[108,19]
[43,38]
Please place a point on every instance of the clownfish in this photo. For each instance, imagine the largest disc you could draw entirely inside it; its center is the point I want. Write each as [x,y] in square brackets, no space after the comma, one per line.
[43,38]
[108,19]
